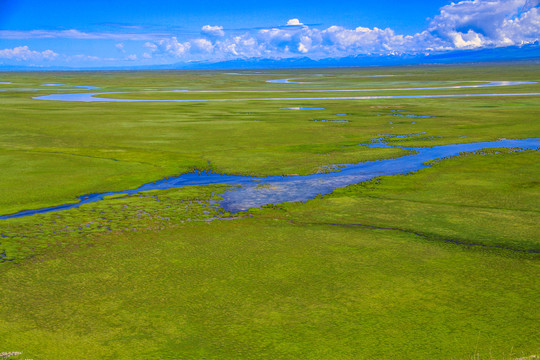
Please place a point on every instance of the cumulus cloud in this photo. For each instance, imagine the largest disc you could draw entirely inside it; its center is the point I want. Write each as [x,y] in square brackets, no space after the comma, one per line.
[294,22]
[479,23]
[213,31]
[171,47]
[202,45]
[466,24]
[23,53]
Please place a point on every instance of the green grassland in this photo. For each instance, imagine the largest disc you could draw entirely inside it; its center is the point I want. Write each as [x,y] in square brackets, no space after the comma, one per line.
[438,264]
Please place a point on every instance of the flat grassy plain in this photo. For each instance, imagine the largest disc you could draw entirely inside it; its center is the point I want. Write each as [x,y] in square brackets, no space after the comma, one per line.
[437,264]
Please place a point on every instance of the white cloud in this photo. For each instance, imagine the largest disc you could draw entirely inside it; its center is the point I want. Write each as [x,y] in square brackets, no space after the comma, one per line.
[170,47]
[120,47]
[294,22]
[466,24]
[76,34]
[361,40]
[131,57]
[239,46]
[479,23]
[305,44]
[524,29]
[213,31]
[202,45]
[82,57]
[23,53]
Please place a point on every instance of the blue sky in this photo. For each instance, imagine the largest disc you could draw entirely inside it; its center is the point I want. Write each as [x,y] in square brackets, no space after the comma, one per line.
[119,33]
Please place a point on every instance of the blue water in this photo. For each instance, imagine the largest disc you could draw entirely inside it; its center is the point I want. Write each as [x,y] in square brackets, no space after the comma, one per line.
[301,108]
[258,191]
[408,115]
[73,87]
[298,188]
[332,121]
[282,81]
[90,97]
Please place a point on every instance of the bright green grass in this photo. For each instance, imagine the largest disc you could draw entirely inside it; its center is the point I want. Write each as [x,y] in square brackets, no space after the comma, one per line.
[489,199]
[154,140]
[377,270]
[259,288]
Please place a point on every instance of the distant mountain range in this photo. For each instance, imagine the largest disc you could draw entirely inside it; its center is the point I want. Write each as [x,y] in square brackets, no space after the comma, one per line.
[529,52]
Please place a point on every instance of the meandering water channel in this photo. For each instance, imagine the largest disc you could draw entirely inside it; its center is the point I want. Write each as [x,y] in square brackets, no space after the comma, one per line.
[92,97]
[258,191]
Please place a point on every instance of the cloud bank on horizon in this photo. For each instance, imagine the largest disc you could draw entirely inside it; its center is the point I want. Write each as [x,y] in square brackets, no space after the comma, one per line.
[469,24]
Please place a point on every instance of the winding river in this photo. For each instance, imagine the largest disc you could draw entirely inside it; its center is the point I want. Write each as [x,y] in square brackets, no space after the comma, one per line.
[91,97]
[258,191]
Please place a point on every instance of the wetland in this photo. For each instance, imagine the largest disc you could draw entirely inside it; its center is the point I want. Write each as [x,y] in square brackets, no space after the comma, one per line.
[143,215]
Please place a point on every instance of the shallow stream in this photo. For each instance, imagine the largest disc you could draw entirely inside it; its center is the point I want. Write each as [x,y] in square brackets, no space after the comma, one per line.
[91,97]
[258,191]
